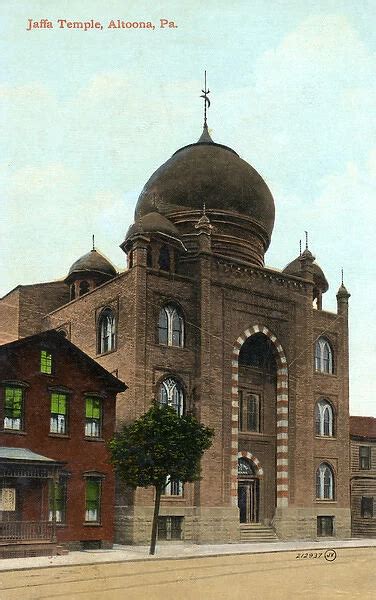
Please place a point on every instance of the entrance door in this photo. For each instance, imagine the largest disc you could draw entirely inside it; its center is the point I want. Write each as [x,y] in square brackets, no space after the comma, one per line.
[248,501]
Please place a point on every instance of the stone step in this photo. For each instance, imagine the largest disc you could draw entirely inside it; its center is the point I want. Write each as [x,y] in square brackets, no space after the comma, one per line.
[257,532]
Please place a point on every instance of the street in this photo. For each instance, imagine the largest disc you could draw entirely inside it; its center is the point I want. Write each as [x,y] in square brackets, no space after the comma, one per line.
[274,576]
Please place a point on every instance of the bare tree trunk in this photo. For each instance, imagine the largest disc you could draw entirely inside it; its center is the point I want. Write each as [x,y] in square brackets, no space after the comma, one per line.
[154,529]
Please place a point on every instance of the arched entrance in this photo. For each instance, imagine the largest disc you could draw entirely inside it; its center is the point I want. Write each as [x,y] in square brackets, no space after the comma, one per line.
[248,491]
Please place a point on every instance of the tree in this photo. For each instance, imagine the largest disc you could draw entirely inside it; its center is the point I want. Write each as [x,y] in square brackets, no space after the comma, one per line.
[158,446]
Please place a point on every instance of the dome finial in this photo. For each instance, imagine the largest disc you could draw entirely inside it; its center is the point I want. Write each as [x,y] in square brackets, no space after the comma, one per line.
[204,95]
[342,276]
[300,247]
[93,242]
[306,240]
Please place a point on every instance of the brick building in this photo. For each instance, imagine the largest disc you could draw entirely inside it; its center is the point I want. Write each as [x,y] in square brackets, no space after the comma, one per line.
[198,321]
[57,410]
[363,476]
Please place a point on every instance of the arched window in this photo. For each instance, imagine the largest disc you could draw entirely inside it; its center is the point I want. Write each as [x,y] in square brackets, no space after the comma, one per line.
[84,287]
[171,326]
[171,393]
[323,356]
[164,259]
[245,468]
[324,482]
[106,331]
[324,418]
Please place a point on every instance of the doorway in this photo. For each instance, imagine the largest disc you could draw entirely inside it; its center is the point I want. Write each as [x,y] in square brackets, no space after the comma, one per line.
[249,500]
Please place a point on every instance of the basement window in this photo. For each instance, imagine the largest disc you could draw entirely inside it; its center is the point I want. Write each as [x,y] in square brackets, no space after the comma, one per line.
[170,528]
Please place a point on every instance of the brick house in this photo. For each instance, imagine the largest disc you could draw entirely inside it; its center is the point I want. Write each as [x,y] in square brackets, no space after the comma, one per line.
[198,321]
[363,476]
[57,410]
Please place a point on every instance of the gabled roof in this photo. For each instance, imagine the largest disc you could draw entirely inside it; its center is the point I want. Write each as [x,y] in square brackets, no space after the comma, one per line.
[54,337]
[364,427]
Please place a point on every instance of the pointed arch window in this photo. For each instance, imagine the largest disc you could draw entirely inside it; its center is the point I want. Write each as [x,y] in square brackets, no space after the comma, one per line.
[324,482]
[324,418]
[171,326]
[323,356]
[106,331]
[171,393]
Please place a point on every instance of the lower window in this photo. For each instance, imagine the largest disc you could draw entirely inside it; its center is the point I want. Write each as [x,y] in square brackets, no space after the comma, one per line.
[170,528]
[325,526]
[93,500]
[367,507]
[57,500]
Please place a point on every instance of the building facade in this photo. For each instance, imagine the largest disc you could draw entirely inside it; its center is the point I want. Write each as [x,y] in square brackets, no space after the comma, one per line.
[57,411]
[198,321]
[363,476]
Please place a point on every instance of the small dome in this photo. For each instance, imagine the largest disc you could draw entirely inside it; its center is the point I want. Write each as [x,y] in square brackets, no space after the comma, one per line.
[153,222]
[93,262]
[319,279]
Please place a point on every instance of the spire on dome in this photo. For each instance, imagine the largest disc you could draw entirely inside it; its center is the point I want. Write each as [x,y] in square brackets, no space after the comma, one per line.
[205,136]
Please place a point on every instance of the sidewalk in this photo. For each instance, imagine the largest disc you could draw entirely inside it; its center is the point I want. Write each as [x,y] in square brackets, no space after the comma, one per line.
[174,550]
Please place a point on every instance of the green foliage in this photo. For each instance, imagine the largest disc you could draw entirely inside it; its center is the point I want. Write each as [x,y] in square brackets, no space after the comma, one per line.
[159,444]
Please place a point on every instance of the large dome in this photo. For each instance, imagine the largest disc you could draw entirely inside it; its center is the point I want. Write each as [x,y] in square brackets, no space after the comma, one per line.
[208,173]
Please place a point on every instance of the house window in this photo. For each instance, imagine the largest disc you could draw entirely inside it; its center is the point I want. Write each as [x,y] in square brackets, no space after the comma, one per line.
[174,487]
[366,507]
[106,331]
[325,526]
[249,411]
[323,356]
[324,418]
[57,501]
[149,257]
[164,259]
[93,417]
[59,413]
[324,482]
[93,500]
[364,457]
[170,528]
[46,362]
[171,326]
[13,408]
[171,393]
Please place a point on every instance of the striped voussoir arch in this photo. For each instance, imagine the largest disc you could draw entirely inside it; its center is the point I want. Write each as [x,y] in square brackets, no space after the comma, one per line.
[282,416]
[254,460]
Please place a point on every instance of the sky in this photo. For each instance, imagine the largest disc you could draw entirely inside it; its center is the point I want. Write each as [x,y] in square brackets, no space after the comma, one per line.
[87,117]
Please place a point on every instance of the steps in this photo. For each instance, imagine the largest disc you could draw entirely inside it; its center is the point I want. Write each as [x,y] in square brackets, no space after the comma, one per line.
[257,532]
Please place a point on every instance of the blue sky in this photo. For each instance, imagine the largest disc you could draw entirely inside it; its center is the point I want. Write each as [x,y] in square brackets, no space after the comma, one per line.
[86,117]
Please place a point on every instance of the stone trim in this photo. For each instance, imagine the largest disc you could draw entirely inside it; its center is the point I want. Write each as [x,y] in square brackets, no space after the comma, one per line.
[281,411]
[254,460]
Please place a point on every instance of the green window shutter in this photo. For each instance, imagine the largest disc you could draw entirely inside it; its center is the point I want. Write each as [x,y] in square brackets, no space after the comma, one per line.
[13,401]
[93,408]
[46,362]
[59,404]
[92,490]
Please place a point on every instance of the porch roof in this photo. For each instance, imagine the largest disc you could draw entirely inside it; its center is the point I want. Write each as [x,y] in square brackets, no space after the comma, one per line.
[23,454]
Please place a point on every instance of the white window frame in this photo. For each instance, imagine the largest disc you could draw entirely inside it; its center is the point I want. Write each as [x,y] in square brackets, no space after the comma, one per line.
[106,331]
[321,484]
[173,487]
[171,393]
[172,313]
[323,408]
[321,347]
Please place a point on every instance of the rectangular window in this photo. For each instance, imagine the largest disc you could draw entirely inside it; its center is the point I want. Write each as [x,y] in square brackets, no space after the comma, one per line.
[46,362]
[364,457]
[59,413]
[174,487]
[13,407]
[93,417]
[58,503]
[325,526]
[93,500]
[170,528]
[249,411]
[367,507]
